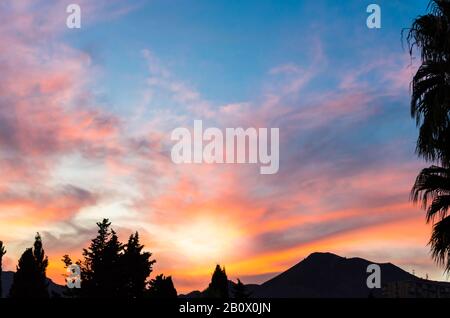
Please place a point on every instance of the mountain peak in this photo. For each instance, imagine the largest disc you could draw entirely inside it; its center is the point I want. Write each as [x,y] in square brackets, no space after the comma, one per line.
[324,274]
[323,256]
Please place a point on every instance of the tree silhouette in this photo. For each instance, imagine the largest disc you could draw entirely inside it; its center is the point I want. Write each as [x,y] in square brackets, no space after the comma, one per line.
[30,279]
[162,287]
[110,269]
[137,266]
[218,288]
[433,184]
[240,291]
[430,100]
[430,106]
[2,252]
[69,292]
[100,269]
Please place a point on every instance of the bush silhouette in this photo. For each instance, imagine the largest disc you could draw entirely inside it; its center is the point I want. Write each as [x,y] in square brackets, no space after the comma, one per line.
[240,291]
[162,287]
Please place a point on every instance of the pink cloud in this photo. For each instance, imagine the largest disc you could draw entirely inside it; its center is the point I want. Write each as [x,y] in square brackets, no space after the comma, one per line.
[49,112]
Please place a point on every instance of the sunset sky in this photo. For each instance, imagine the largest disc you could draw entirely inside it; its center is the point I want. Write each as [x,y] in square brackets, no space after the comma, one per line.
[86,116]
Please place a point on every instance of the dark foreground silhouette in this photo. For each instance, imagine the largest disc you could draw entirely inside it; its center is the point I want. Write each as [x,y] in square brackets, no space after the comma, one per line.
[326,275]
[320,275]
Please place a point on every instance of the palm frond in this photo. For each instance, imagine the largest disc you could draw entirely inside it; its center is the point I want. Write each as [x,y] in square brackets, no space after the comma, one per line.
[439,206]
[433,184]
[440,243]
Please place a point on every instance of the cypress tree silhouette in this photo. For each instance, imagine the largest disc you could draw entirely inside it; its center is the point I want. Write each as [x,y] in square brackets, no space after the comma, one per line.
[2,252]
[136,267]
[162,287]
[30,279]
[218,288]
[110,269]
[240,291]
[100,269]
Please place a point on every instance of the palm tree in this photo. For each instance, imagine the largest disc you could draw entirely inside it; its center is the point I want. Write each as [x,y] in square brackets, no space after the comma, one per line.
[432,188]
[430,106]
[430,102]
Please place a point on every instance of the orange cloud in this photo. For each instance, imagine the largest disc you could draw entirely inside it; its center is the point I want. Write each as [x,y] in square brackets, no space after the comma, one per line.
[334,192]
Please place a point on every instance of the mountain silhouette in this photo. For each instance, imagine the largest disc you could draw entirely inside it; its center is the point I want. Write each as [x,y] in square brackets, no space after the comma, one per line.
[325,275]
[7,279]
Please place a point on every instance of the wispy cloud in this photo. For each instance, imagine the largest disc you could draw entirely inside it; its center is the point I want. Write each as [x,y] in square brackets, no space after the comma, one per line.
[67,160]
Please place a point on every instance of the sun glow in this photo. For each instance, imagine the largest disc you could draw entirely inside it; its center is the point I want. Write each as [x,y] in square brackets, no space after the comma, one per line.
[206,239]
